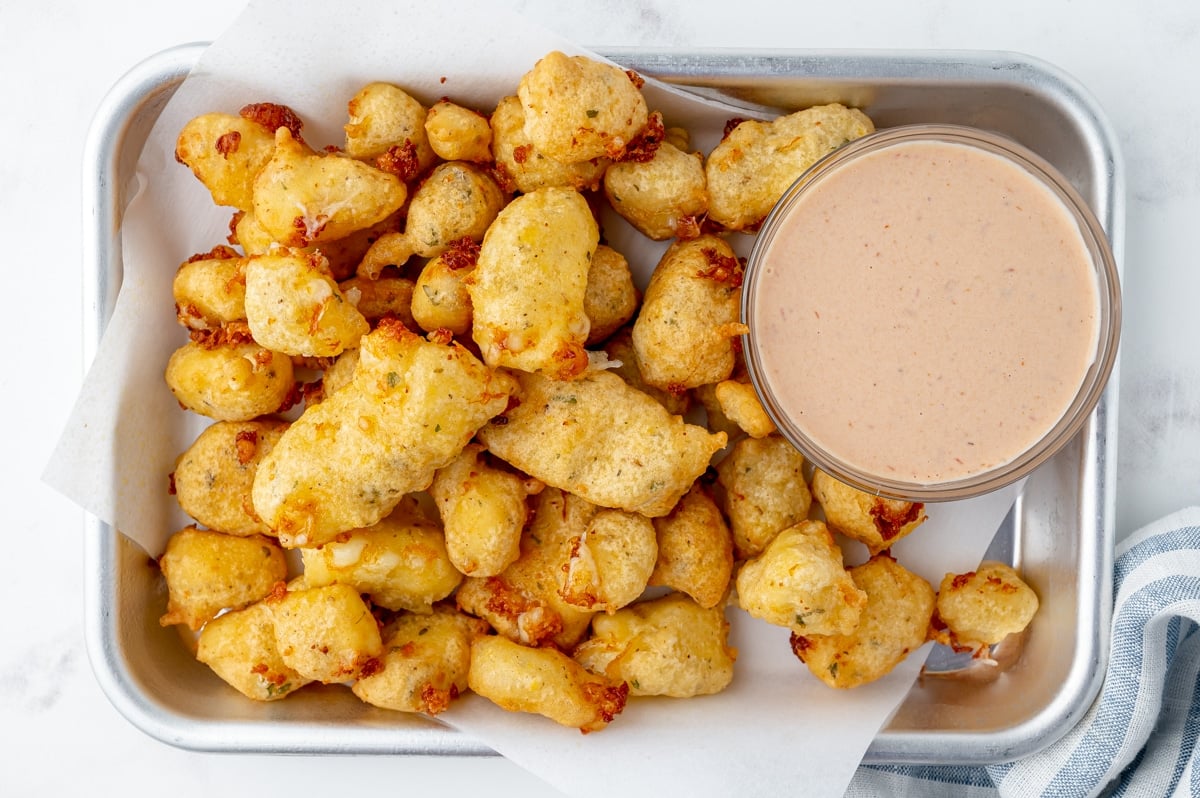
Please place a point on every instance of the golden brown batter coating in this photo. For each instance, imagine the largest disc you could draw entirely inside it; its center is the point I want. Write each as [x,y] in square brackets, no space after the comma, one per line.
[894,622]
[757,161]
[602,440]
[346,462]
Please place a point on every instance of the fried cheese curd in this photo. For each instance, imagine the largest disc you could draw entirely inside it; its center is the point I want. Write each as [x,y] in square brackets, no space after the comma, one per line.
[338,375]
[668,646]
[577,108]
[524,167]
[240,647]
[623,359]
[381,117]
[345,463]
[294,306]
[609,563]
[326,634]
[391,249]
[982,607]
[873,520]
[756,162]
[400,562]
[302,197]
[611,298]
[739,403]
[763,491]
[799,582]
[706,397]
[457,133]
[440,299]
[483,512]
[895,621]
[528,287]
[225,152]
[386,296]
[425,662]
[457,200]
[662,197]
[695,549]
[247,233]
[229,379]
[544,681]
[690,314]
[344,254]
[207,572]
[214,477]
[523,602]
[602,440]
[210,289]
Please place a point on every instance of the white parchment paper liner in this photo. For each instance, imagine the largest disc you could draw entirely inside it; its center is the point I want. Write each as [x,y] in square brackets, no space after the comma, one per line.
[776,730]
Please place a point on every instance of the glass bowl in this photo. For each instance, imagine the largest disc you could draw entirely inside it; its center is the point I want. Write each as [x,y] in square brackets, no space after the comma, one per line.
[772,357]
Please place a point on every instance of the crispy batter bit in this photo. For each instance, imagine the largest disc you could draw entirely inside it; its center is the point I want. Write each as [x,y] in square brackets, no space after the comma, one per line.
[537,622]
[609,701]
[890,520]
[312,392]
[645,144]
[441,336]
[505,601]
[278,591]
[436,700]
[246,443]
[184,314]
[463,254]
[234,221]
[960,580]
[370,667]
[306,230]
[219,252]
[228,143]
[503,178]
[295,396]
[273,117]
[231,334]
[689,227]
[730,125]
[722,268]
[400,160]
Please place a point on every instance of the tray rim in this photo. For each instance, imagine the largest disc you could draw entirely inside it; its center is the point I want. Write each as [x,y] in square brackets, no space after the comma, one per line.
[154,79]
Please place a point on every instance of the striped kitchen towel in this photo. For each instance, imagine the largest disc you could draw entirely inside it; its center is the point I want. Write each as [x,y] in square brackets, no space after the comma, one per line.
[1140,736]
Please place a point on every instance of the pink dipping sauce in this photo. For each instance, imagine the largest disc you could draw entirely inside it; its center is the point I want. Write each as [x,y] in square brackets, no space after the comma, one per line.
[927,313]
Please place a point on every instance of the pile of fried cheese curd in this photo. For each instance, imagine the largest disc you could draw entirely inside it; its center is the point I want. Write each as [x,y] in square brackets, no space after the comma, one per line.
[428,375]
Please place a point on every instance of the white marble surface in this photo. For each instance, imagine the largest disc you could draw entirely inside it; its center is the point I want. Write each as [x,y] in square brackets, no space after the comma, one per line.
[57,58]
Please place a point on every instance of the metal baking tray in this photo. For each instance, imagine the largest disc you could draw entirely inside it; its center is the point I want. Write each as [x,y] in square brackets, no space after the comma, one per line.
[1060,532]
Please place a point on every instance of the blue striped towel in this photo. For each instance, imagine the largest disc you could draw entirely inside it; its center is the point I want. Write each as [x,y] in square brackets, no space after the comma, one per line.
[1140,737]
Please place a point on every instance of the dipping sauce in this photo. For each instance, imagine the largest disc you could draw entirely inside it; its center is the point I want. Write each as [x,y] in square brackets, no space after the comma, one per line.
[924,312]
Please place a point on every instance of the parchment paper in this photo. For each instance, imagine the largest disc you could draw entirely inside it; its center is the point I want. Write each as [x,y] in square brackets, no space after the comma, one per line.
[776,730]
